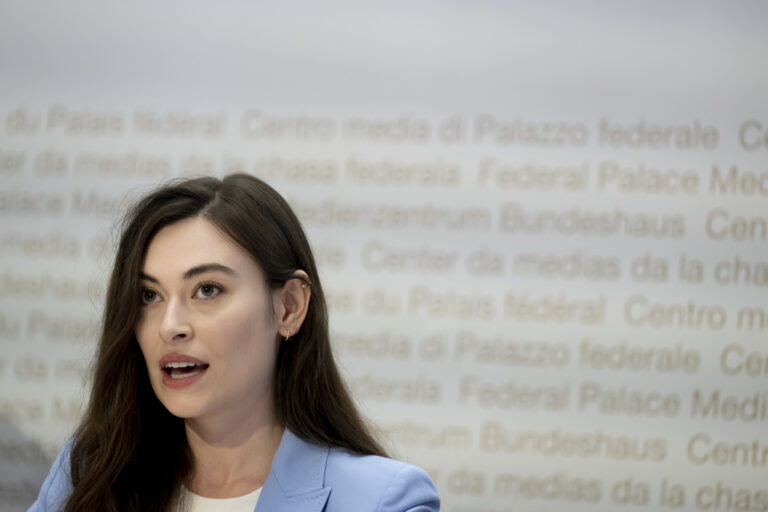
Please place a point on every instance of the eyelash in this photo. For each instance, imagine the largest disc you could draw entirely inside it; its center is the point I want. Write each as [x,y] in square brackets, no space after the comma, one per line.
[217,287]
[143,295]
[217,290]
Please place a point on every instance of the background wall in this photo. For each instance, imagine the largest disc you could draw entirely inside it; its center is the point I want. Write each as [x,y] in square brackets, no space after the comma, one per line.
[542,225]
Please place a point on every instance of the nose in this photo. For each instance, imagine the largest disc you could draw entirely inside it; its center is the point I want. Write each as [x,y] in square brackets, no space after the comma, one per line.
[175,325]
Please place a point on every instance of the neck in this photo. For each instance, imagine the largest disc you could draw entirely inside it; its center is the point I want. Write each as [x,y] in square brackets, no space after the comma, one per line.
[231,458]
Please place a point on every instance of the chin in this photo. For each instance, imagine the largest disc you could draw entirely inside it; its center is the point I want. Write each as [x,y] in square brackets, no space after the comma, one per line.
[181,407]
[183,411]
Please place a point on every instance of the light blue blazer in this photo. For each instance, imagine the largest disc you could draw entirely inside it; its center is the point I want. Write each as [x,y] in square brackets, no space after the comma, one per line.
[305,477]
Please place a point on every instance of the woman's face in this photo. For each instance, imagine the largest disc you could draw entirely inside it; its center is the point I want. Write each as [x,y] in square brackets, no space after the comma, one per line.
[208,326]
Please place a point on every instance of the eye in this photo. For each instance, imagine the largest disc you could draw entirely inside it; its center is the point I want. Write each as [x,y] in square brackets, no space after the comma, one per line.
[148,296]
[207,291]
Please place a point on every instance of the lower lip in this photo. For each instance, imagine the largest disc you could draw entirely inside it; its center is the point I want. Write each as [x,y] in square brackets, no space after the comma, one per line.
[183,382]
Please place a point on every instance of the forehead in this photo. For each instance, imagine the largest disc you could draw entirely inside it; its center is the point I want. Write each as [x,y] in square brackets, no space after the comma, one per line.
[190,242]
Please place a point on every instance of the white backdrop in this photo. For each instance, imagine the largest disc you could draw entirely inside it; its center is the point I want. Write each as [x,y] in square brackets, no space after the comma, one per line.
[542,226]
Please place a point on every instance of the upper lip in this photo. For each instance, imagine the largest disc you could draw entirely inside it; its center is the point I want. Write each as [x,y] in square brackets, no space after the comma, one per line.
[179,358]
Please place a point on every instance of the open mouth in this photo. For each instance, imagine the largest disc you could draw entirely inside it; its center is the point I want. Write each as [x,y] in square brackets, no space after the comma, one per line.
[183,370]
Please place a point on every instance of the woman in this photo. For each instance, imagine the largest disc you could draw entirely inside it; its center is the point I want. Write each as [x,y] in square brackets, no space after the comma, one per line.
[214,383]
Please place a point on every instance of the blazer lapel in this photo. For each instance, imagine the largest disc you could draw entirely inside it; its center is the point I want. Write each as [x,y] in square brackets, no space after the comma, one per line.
[295,481]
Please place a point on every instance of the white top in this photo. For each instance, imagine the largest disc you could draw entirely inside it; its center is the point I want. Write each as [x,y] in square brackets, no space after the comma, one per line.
[196,503]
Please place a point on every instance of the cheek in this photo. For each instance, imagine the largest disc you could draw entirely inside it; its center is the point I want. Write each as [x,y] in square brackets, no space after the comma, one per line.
[246,337]
[145,352]
[141,331]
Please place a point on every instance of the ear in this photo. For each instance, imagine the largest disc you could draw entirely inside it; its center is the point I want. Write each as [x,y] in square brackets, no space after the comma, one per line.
[292,304]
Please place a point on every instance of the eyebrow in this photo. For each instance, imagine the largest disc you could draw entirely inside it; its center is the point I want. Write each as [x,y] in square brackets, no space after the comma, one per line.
[197,270]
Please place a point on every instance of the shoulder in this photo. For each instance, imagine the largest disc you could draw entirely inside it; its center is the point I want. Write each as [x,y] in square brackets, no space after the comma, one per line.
[378,483]
[57,486]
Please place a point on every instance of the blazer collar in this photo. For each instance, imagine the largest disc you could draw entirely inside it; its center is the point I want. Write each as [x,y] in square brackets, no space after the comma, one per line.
[295,481]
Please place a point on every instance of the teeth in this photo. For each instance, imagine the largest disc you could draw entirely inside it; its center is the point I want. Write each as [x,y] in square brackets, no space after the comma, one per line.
[180,365]
[185,375]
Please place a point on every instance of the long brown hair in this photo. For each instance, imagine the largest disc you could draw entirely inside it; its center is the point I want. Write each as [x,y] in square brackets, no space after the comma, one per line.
[129,452]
